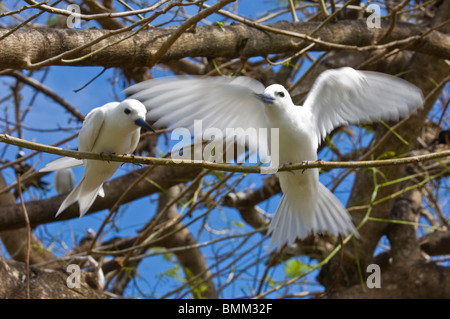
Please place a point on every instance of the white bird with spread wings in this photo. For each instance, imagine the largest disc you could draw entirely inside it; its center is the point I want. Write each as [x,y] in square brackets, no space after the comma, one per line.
[339,97]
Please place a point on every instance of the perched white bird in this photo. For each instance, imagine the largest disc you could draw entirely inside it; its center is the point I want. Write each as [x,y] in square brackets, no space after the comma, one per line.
[113,128]
[338,97]
[64,180]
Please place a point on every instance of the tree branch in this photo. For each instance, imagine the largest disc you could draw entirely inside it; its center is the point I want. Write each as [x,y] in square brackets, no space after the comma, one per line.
[217,166]
[24,48]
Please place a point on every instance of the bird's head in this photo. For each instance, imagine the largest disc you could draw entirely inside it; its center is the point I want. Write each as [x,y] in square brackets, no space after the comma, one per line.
[276,95]
[133,111]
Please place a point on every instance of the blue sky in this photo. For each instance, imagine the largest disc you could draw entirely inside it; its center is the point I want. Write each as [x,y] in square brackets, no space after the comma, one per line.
[44,113]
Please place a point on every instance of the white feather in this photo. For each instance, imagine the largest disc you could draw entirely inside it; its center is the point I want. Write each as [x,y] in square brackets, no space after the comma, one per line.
[64,180]
[220,102]
[346,96]
[61,163]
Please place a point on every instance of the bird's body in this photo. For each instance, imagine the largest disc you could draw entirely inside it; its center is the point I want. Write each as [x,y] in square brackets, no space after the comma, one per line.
[110,129]
[114,135]
[295,128]
[338,97]
[302,191]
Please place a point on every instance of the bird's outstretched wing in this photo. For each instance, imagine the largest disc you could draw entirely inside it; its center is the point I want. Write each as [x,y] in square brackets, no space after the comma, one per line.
[347,96]
[219,102]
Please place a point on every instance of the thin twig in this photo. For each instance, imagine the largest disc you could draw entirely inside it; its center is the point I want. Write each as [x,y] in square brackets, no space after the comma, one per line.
[329,45]
[98,16]
[71,52]
[393,15]
[292,9]
[25,22]
[90,81]
[23,8]
[291,57]
[323,8]
[42,88]
[183,27]
[27,223]
[144,234]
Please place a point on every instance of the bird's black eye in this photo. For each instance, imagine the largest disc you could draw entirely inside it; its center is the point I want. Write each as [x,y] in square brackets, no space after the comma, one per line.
[280,94]
[127,111]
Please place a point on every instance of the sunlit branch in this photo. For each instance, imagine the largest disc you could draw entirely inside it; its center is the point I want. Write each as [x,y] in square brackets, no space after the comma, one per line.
[216,166]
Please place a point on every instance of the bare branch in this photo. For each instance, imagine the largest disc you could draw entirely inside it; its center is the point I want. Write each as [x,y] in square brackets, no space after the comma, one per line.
[33,48]
[217,166]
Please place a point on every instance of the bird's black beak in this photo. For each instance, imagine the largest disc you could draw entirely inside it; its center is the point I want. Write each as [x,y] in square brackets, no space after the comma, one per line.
[266,98]
[143,124]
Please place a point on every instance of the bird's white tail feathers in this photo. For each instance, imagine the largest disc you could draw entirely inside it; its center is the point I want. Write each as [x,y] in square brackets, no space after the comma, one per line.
[292,220]
[61,163]
[85,200]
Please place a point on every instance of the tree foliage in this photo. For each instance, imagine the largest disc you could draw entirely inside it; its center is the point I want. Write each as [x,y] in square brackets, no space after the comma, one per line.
[199,231]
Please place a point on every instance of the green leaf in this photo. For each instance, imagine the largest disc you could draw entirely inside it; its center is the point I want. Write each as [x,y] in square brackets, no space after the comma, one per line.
[197,286]
[270,281]
[394,132]
[294,268]
[388,154]
[173,272]
[289,64]
[237,224]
